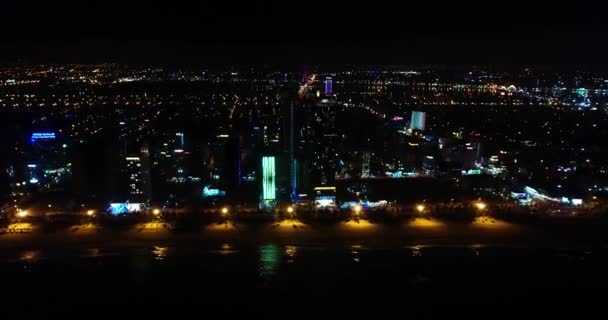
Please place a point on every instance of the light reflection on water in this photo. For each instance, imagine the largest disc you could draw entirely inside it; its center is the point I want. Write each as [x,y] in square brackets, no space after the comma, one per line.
[160,253]
[416,251]
[354,250]
[269,261]
[93,252]
[476,249]
[290,253]
[30,256]
[227,248]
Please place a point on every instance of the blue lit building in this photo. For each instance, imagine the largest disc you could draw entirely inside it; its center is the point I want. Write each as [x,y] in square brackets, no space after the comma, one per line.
[328,86]
[47,165]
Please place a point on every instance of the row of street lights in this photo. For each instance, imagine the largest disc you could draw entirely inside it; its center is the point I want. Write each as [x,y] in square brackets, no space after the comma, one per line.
[421,208]
[357,209]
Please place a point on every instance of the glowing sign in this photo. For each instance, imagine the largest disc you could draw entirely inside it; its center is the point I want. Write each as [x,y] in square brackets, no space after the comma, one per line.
[325,189]
[117,208]
[325,202]
[268,179]
[519,195]
[124,207]
[471,172]
[325,196]
[209,192]
[577,202]
[42,136]
[135,207]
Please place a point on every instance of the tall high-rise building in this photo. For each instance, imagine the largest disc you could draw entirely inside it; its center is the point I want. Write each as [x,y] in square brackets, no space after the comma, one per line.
[418,121]
[46,157]
[291,108]
[137,177]
[170,158]
[328,86]
[268,196]
[319,141]
[290,132]
[232,173]
[145,171]
[366,157]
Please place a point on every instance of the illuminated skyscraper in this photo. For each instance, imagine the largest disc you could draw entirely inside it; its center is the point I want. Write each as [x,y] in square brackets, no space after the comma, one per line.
[268,180]
[328,86]
[291,108]
[418,120]
[46,157]
[138,175]
[290,131]
[365,164]
[170,158]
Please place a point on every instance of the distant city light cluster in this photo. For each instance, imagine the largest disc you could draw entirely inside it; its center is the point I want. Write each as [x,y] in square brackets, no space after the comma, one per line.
[356,139]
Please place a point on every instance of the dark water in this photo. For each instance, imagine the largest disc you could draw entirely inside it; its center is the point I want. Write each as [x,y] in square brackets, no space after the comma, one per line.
[290,281]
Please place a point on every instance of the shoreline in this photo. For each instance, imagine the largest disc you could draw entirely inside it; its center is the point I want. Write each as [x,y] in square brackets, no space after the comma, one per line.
[412,232]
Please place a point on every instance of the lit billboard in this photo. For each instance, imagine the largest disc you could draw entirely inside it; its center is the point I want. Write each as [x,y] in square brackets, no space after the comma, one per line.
[42,136]
[125,207]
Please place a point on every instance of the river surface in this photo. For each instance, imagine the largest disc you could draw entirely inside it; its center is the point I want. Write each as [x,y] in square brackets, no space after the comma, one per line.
[289,269]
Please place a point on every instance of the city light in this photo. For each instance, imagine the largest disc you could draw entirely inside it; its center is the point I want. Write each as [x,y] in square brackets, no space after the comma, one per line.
[357,208]
[22,213]
[156,212]
[225,210]
[90,213]
[290,209]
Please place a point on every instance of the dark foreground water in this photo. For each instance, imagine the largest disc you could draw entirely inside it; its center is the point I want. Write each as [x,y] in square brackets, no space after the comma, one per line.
[282,281]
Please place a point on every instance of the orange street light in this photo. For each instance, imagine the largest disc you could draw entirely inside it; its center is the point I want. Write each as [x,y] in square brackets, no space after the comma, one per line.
[22,213]
[480,206]
[420,208]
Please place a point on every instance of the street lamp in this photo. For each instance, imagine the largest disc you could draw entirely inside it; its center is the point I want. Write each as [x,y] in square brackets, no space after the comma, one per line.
[480,206]
[225,210]
[357,209]
[22,213]
[156,212]
[290,210]
[90,213]
[420,208]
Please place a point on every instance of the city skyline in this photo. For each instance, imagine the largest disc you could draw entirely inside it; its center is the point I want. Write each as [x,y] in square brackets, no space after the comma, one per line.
[274,158]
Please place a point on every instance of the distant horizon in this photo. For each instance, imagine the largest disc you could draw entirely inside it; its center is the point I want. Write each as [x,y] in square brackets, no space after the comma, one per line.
[272,32]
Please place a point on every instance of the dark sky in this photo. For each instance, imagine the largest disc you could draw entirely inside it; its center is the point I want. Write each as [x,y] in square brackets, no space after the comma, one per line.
[290,32]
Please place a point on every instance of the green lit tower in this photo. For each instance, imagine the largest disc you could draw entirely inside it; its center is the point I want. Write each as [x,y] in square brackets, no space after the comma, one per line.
[268,197]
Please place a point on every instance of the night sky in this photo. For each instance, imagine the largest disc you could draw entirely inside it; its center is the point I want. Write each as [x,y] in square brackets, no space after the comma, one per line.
[306,32]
